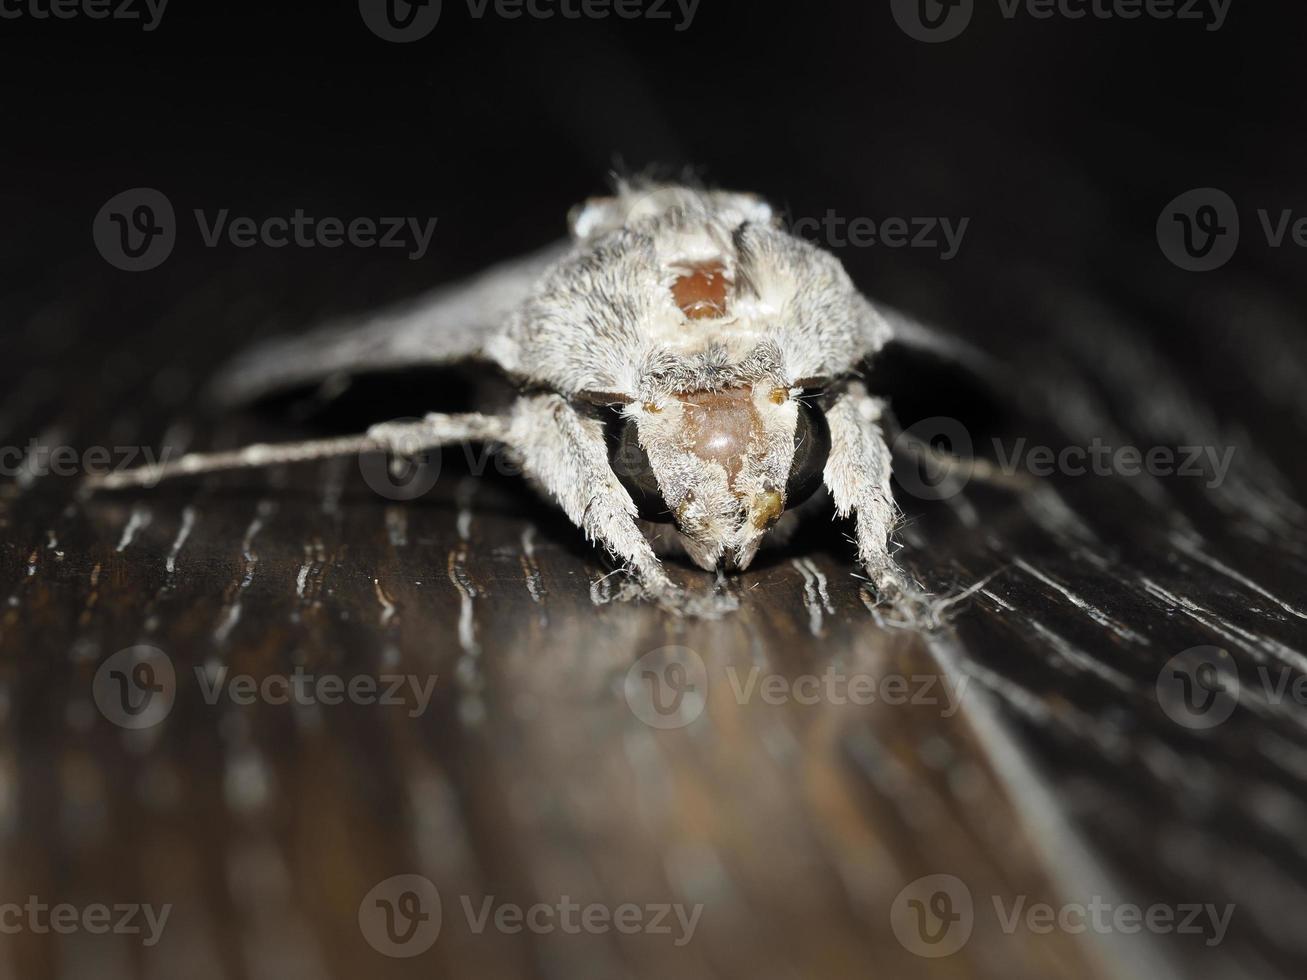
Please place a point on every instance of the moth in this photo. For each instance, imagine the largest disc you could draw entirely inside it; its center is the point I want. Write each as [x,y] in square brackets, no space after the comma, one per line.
[688,375]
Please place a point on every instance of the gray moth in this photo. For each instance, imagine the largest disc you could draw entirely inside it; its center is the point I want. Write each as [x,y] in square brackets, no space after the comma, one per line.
[664,358]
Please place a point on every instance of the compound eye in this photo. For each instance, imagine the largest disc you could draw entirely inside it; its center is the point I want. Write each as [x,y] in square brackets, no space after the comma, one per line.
[633,470]
[811,447]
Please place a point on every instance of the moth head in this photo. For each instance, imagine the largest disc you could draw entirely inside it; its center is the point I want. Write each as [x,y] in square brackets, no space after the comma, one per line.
[721,465]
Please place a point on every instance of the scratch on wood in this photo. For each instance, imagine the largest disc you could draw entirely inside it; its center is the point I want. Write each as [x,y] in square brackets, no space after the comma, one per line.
[1090,610]
[997,600]
[1079,659]
[815,596]
[467,671]
[302,578]
[1225,629]
[140,517]
[92,597]
[1191,548]
[309,578]
[387,606]
[232,614]
[184,532]
[534,585]
[467,591]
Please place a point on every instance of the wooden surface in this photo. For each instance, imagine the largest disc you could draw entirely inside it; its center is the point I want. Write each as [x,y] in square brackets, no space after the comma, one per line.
[531,775]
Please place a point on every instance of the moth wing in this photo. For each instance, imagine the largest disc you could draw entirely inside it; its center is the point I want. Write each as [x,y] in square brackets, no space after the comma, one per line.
[448,325]
[928,373]
[911,338]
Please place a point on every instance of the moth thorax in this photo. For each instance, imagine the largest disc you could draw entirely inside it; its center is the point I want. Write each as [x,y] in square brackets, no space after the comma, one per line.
[700,290]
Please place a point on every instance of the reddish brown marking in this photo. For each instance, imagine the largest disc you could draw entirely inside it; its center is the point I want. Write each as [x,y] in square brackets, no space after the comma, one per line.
[701,291]
[722,424]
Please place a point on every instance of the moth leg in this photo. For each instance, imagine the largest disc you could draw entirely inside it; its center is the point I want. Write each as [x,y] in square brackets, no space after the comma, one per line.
[406,438]
[857,474]
[566,454]
[958,471]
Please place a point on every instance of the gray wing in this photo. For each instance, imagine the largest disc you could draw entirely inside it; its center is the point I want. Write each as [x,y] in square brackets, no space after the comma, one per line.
[913,337]
[445,326]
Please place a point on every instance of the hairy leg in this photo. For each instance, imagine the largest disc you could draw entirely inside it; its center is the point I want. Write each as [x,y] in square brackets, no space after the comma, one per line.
[565,453]
[857,475]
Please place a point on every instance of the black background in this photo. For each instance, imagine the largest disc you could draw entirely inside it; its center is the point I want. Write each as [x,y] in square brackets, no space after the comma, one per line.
[1060,139]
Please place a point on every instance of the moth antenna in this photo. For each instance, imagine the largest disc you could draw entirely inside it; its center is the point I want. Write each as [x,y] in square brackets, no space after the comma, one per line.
[250,457]
[407,438]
